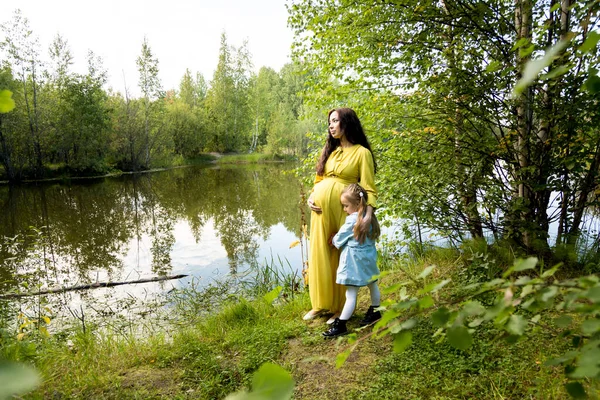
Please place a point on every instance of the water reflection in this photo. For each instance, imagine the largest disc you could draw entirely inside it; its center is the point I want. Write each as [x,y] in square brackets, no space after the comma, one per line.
[202,221]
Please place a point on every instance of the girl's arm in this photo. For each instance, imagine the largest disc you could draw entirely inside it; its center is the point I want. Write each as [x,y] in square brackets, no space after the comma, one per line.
[345,233]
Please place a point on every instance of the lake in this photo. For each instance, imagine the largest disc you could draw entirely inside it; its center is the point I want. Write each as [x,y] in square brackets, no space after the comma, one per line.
[207,222]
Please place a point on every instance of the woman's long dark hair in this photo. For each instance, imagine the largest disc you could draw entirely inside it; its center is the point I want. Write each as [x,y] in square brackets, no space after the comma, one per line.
[351,127]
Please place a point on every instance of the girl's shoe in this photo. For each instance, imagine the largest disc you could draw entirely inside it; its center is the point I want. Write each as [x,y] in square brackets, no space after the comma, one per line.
[312,314]
[338,327]
[371,316]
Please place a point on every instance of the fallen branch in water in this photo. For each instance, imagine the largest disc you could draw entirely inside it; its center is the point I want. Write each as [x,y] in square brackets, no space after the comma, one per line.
[89,286]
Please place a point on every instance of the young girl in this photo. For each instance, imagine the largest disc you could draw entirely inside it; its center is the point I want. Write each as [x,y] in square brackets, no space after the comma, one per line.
[358,260]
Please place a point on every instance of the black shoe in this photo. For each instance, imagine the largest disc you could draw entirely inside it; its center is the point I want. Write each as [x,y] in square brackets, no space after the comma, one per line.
[371,316]
[338,327]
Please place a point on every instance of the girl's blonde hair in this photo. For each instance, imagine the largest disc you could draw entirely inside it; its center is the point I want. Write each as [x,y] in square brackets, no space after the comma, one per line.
[358,196]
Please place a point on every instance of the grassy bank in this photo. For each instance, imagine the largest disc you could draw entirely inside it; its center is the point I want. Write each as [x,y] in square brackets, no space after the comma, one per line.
[60,172]
[209,355]
[252,158]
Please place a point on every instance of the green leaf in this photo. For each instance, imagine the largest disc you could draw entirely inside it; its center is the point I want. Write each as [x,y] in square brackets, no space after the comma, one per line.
[440,285]
[352,338]
[560,70]
[548,293]
[585,371]
[590,326]
[392,288]
[534,66]
[516,325]
[576,390]
[385,318]
[426,302]
[568,356]
[408,324]
[520,43]
[592,84]
[273,294]
[341,358]
[440,317]
[526,290]
[7,104]
[563,321]
[590,42]
[473,308]
[459,337]
[523,280]
[401,341]
[529,263]
[551,271]
[270,382]
[426,272]
[476,322]
[525,51]
[16,378]
[493,66]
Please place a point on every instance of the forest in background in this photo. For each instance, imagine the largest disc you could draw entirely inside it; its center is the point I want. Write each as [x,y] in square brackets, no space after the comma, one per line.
[484,118]
[70,122]
[485,121]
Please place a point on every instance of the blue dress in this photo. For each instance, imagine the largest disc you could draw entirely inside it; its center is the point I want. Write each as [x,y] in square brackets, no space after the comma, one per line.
[358,262]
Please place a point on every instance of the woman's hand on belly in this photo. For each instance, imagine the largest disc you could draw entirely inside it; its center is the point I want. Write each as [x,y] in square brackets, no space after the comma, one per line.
[314,207]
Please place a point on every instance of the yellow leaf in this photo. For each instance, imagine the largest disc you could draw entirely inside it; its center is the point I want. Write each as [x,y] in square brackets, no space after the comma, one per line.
[44,331]
[294,244]
[46,320]
[6,102]
[20,336]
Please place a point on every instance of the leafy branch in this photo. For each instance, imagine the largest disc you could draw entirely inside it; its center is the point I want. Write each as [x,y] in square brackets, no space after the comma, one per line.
[518,305]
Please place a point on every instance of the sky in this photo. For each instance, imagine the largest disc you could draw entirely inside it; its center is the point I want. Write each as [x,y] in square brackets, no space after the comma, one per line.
[181,33]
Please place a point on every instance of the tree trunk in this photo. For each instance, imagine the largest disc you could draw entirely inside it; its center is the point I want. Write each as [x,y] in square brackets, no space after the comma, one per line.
[523,193]
[5,155]
[466,186]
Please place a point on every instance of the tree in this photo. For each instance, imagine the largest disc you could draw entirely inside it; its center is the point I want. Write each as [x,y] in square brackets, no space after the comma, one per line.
[187,89]
[463,153]
[227,99]
[23,57]
[263,103]
[220,99]
[151,88]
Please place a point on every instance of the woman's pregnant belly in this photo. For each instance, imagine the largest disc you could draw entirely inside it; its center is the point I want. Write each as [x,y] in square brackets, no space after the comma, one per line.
[327,191]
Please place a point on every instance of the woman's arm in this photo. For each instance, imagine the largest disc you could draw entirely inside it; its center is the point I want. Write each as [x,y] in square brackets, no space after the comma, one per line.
[311,203]
[367,181]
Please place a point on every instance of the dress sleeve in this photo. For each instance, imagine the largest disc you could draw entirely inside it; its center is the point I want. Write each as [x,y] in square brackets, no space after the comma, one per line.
[345,233]
[367,176]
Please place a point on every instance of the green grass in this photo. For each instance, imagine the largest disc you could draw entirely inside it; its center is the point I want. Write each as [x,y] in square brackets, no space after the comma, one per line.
[221,335]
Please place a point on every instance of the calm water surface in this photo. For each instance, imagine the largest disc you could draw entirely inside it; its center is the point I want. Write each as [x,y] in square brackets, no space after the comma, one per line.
[207,222]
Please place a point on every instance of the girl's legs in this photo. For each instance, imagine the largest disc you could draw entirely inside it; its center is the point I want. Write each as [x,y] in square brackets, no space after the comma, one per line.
[375,295]
[338,325]
[350,304]
[372,315]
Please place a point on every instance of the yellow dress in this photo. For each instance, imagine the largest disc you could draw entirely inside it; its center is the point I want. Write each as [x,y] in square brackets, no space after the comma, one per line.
[344,166]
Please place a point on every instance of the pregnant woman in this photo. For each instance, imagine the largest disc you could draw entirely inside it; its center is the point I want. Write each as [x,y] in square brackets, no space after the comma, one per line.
[346,158]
